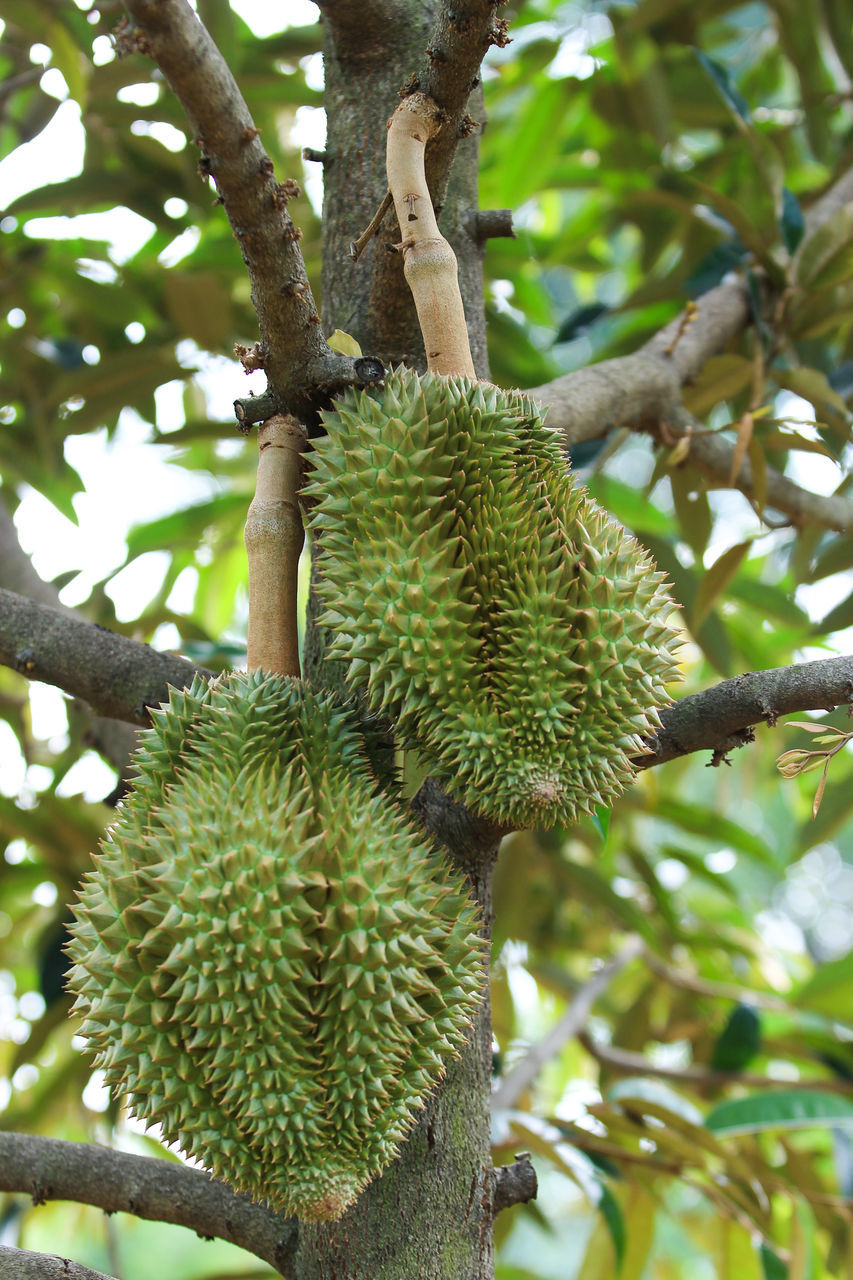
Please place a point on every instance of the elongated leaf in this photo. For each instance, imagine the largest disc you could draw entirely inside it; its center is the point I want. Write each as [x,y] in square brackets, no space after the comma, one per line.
[830,991]
[772,1265]
[184,528]
[733,99]
[826,257]
[792,221]
[716,580]
[785,1109]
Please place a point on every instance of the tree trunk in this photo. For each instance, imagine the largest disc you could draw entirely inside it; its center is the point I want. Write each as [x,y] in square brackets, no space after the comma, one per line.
[430,1215]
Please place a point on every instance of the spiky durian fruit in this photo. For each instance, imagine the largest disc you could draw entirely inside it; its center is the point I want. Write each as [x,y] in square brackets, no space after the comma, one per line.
[268,961]
[483,601]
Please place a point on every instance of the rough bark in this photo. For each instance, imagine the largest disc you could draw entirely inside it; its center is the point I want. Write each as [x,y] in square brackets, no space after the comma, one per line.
[115,675]
[113,739]
[159,1190]
[383,47]
[302,370]
[22,1264]
[123,678]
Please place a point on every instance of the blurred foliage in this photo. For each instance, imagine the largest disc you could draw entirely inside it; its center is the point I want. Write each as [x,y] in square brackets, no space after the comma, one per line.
[702,1125]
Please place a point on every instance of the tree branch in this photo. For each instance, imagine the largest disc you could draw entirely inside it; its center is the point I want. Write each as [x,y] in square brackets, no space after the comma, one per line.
[113,739]
[22,1264]
[642,390]
[122,678]
[449,71]
[116,676]
[711,455]
[519,1079]
[638,1064]
[301,368]
[158,1190]
[721,718]
[514,1183]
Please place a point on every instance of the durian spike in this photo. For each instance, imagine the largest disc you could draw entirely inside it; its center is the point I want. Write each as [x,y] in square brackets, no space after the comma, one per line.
[429,262]
[274,538]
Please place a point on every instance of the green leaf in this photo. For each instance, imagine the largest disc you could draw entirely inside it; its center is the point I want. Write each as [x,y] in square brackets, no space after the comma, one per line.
[792,222]
[608,1207]
[722,80]
[185,528]
[715,581]
[654,1091]
[826,257]
[739,1041]
[343,343]
[830,990]
[774,1267]
[813,385]
[787,1109]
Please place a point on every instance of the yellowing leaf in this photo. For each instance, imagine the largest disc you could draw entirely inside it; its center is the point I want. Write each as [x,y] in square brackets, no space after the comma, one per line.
[344,343]
[745,429]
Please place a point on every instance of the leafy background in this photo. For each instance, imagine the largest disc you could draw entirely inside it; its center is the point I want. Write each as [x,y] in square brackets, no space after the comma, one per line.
[701,1124]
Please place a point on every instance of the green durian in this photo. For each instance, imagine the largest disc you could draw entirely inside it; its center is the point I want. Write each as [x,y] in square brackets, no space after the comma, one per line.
[269,961]
[515,634]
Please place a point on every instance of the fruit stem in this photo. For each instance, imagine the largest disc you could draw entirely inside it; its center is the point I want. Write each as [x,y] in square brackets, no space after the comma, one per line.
[274,538]
[429,263]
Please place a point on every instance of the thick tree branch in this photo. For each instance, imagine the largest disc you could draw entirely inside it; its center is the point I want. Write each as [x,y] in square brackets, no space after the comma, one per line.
[22,1264]
[722,718]
[116,676]
[159,1190]
[123,678]
[301,368]
[641,390]
[449,72]
[113,739]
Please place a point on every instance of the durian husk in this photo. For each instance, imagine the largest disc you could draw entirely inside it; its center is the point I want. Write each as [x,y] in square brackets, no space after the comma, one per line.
[517,636]
[268,961]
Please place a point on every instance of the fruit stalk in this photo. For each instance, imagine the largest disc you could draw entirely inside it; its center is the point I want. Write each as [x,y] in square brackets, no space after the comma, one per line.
[274,538]
[429,263]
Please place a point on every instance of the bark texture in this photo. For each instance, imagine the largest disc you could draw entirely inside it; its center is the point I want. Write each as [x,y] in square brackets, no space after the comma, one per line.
[160,1190]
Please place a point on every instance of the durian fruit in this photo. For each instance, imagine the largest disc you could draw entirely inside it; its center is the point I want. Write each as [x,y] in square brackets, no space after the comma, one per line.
[269,962]
[515,634]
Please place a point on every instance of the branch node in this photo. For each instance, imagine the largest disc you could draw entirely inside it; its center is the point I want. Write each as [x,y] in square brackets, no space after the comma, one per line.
[514,1183]
[25,661]
[251,358]
[285,191]
[316,157]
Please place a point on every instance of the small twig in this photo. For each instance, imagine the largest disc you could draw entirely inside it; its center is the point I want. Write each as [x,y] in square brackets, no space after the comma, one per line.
[274,538]
[573,1020]
[639,1064]
[714,990]
[358,246]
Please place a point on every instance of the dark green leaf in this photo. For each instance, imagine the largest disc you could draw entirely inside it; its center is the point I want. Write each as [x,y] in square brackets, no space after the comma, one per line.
[787,1109]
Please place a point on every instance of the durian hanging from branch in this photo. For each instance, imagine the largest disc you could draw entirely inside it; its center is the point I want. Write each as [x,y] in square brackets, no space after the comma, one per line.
[517,636]
[268,960]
